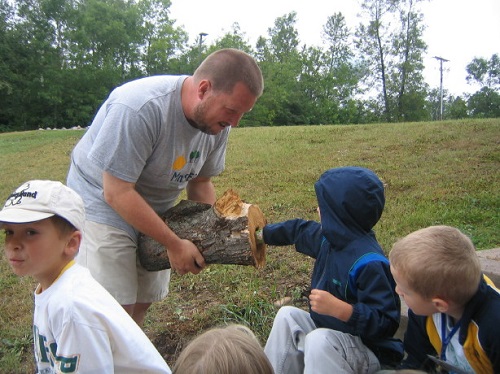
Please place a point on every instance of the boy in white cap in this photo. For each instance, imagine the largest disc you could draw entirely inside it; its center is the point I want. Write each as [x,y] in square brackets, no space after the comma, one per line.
[78,326]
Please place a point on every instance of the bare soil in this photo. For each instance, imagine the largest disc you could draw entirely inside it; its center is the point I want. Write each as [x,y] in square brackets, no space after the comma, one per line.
[170,333]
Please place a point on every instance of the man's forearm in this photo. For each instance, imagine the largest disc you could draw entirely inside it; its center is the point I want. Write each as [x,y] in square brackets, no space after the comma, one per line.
[201,190]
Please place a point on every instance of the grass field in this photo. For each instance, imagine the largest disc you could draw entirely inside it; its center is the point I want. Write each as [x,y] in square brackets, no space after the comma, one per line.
[434,173]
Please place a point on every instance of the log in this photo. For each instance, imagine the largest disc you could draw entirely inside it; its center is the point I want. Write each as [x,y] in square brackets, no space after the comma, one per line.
[224,233]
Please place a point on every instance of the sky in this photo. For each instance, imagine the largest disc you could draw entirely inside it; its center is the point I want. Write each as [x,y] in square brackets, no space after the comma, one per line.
[456,30]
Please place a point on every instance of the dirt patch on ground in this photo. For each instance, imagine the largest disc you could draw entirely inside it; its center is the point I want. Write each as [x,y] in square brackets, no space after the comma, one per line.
[190,309]
[185,322]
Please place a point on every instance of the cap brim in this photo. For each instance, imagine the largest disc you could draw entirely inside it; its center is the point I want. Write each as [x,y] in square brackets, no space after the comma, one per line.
[20,215]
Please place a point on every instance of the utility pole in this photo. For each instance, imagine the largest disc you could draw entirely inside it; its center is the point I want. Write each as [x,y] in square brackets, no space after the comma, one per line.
[201,34]
[441,60]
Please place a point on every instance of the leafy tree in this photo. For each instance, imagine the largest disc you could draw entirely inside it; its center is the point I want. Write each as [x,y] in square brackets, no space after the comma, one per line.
[485,103]
[34,66]
[337,36]
[318,87]
[369,111]
[373,43]
[485,72]
[407,77]
[162,41]
[109,35]
[7,60]
[456,108]
[433,103]
[235,38]
[284,39]
[282,67]
[66,55]
[341,73]
[395,56]
[453,107]
[60,58]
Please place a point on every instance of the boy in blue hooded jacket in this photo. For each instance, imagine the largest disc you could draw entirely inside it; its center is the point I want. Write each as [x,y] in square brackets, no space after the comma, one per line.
[353,308]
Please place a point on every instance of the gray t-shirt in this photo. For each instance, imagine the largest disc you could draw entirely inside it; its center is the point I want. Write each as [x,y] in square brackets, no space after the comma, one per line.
[140,135]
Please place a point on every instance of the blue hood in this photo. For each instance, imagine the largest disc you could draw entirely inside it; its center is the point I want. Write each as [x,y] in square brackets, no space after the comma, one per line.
[351,200]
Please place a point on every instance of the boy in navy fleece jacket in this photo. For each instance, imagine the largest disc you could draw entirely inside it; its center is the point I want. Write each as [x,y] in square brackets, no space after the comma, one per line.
[454,309]
[354,309]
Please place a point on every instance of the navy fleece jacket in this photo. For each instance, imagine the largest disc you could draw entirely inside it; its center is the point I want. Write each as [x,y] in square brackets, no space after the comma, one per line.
[350,263]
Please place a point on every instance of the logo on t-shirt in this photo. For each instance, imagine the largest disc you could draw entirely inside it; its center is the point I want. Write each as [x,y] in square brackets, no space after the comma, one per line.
[194,157]
[46,356]
[179,163]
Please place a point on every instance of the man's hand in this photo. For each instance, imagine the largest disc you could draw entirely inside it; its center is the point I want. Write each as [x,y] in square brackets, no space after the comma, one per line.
[185,258]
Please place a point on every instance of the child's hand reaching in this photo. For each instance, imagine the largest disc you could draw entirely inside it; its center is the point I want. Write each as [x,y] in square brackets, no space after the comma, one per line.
[323,302]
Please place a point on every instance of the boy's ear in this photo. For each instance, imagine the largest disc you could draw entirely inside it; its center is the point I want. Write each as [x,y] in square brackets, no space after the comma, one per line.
[441,305]
[73,243]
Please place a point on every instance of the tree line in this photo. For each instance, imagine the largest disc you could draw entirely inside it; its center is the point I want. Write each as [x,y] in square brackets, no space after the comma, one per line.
[61,58]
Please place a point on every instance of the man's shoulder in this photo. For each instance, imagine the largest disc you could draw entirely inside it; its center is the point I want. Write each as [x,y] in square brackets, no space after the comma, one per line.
[137,92]
[151,80]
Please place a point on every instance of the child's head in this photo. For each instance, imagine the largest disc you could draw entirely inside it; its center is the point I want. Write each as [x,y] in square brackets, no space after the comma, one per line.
[435,262]
[42,221]
[226,350]
[351,197]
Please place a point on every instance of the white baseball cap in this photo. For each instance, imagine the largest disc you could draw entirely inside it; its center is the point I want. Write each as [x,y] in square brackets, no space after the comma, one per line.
[39,199]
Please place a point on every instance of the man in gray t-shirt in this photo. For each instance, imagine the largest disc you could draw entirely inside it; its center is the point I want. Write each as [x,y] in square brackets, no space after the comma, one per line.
[150,140]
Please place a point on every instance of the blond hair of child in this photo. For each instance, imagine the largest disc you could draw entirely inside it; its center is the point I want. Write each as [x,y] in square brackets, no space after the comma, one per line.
[438,260]
[232,349]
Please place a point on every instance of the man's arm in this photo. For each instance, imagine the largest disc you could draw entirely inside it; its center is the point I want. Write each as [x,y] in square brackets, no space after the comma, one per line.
[183,255]
[201,189]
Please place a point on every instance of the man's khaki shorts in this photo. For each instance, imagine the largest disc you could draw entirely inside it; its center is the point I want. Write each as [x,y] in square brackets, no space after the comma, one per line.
[111,256]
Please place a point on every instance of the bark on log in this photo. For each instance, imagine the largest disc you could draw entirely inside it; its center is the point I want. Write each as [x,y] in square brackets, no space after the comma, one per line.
[224,233]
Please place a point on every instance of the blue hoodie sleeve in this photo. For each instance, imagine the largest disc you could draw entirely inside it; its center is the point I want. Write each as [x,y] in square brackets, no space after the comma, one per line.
[377,310]
[305,235]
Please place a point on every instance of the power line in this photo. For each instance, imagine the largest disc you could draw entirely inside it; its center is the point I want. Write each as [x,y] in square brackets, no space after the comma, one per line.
[441,60]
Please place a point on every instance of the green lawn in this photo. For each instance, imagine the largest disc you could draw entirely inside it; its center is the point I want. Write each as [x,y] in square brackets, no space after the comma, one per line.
[434,173]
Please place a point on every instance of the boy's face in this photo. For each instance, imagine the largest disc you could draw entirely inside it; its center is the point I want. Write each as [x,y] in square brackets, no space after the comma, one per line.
[37,249]
[415,302]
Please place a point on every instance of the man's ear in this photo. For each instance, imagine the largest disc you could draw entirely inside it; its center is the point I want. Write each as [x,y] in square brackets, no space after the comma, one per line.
[203,87]
[441,305]
[73,243]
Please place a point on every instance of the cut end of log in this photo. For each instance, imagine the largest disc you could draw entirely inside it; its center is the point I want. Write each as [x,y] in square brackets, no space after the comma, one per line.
[256,221]
[230,205]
